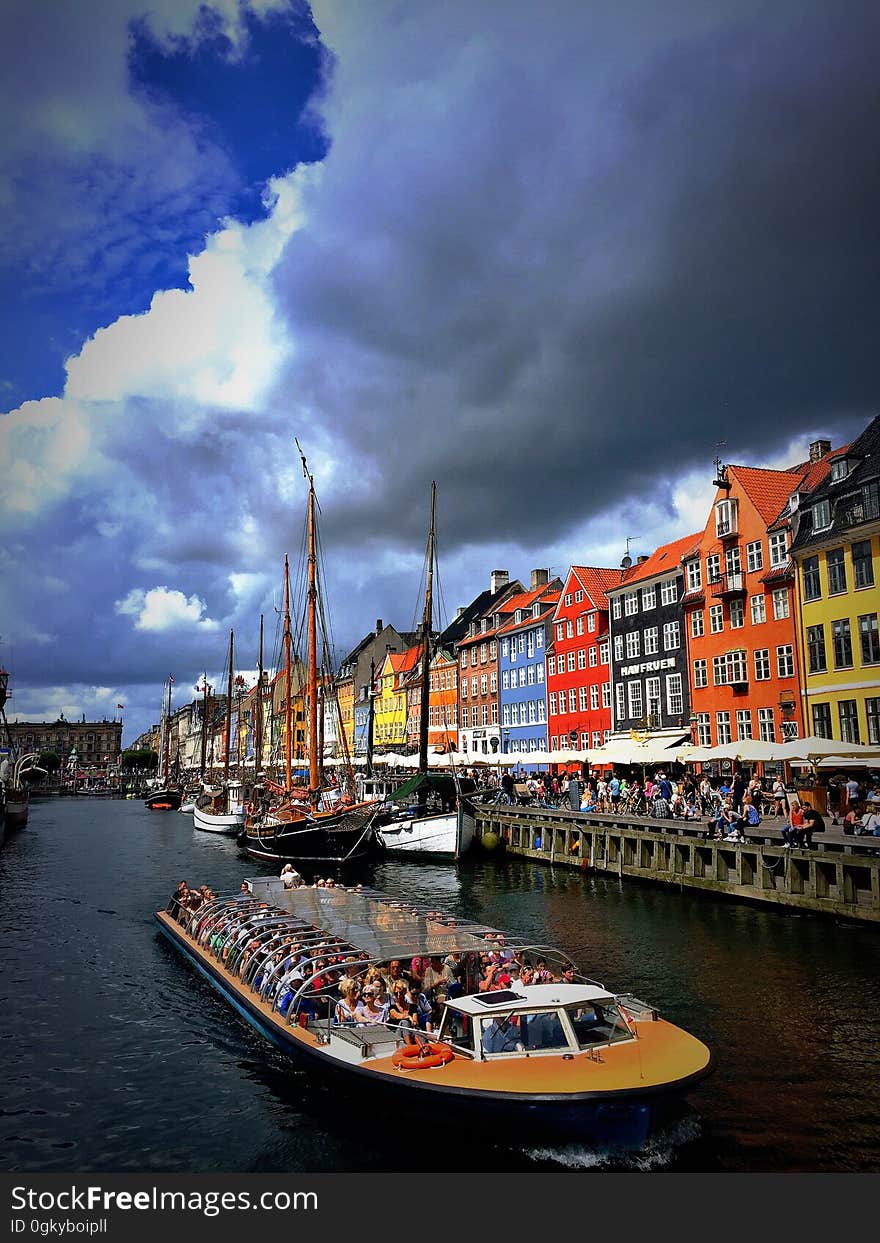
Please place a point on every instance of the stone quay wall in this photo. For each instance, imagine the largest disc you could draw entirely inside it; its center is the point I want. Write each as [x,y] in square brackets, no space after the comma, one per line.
[839,876]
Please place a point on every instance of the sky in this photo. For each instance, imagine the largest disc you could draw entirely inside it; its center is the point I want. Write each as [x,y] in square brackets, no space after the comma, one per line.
[556,258]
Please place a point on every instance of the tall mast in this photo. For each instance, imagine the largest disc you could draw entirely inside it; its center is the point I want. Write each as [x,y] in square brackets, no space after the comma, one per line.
[228,711]
[258,731]
[288,714]
[426,646]
[371,717]
[167,742]
[314,772]
[204,726]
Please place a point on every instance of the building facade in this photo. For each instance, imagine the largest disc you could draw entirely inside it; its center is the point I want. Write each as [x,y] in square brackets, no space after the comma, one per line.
[578,669]
[96,743]
[523,643]
[740,606]
[836,551]
[649,655]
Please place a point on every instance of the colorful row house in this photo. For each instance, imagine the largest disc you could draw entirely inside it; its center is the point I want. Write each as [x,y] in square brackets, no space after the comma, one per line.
[523,642]
[741,607]
[836,551]
[649,654]
[479,729]
[578,670]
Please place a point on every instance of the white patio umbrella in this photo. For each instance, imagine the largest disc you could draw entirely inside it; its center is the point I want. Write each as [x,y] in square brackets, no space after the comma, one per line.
[813,749]
[849,761]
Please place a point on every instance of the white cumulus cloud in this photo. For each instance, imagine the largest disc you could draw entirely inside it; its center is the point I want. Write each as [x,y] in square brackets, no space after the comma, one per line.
[161,609]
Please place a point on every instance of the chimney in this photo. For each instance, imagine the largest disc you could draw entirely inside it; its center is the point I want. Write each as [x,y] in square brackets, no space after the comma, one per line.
[818,449]
[459,611]
[640,560]
[498,579]
[540,578]
[379,626]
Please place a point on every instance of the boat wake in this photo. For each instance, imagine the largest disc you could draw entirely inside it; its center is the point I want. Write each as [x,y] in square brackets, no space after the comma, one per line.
[659,1153]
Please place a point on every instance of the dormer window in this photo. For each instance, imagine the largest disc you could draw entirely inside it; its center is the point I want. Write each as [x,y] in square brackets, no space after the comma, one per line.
[840,468]
[725,518]
[472,629]
[484,625]
[536,609]
[822,515]
[518,616]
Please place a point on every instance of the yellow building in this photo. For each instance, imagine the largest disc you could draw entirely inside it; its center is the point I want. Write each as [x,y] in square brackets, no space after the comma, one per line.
[345,696]
[389,730]
[836,551]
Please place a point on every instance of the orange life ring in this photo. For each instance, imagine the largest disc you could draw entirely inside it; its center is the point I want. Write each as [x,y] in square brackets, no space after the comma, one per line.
[422,1056]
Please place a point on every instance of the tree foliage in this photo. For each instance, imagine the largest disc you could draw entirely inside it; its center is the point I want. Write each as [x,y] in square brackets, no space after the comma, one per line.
[143,761]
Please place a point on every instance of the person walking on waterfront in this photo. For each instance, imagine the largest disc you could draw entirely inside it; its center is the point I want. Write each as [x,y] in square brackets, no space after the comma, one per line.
[851,791]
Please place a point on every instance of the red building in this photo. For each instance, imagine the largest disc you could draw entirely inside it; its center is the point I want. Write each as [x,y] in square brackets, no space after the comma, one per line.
[740,606]
[578,669]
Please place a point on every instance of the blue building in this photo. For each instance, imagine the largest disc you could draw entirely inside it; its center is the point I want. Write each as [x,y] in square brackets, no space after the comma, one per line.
[522,644]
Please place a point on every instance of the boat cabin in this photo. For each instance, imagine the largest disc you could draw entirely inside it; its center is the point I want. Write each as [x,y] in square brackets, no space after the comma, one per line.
[540,1019]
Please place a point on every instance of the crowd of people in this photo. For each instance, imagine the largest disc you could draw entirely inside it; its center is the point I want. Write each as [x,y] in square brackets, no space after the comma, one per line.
[730,806]
[328,978]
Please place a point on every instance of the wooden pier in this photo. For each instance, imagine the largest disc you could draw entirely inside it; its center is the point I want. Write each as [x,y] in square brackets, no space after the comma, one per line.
[839,876]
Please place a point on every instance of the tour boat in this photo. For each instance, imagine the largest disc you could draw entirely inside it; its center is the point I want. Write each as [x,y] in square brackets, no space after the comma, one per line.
[556,1061]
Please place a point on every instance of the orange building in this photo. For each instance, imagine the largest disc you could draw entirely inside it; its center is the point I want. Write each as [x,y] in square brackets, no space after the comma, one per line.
[740,614]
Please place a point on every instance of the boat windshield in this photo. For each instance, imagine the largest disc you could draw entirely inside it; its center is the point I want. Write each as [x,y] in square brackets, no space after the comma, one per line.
[539,1031]
[597,1024]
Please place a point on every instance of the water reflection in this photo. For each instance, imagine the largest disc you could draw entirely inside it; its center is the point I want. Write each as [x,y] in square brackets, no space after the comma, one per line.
[118,1056]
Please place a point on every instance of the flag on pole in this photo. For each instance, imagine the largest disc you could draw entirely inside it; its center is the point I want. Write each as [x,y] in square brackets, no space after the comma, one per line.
[171,678]
[120,706]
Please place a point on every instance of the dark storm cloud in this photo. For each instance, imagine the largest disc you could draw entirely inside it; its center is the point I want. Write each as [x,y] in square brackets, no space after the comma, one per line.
[565,261]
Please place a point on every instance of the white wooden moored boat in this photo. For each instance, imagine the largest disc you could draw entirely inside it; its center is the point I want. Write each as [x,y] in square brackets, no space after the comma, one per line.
[447,834]
[223,814]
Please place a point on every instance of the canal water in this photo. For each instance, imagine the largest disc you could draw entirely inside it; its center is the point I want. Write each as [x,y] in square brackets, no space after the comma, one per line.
[115,1055]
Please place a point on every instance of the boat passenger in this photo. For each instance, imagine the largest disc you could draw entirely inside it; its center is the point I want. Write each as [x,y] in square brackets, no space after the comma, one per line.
[368,1011]
[395,974]
[542,974]
[502,1035]
[349,999]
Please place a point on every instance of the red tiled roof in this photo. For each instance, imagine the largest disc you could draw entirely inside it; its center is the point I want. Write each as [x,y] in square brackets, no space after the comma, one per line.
[549,600]
[596,581]
[768,490]
[666,557]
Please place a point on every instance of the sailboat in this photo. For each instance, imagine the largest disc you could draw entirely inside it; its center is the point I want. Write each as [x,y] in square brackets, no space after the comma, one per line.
[322,823]
[442,822]
[15,797]
[166,795]
[222,811]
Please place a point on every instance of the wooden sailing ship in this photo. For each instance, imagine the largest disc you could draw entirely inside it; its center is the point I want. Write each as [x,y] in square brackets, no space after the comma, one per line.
[321,822]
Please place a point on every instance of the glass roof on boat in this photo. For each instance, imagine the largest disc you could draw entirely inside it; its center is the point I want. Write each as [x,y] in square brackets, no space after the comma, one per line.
[383,926]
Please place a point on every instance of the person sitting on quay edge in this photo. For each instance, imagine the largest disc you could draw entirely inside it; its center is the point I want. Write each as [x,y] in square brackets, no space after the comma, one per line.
[813,823]
[751,813]
[793,834]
